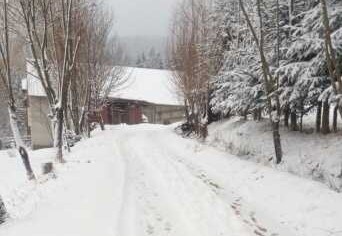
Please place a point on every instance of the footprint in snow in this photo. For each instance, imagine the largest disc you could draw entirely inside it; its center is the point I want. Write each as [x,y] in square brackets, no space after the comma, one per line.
[258,233]
[167,227]
[159,218]
[261,229]
[252,216]
[150,229]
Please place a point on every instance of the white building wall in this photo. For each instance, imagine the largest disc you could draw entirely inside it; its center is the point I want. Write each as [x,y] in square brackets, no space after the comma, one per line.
[39,122]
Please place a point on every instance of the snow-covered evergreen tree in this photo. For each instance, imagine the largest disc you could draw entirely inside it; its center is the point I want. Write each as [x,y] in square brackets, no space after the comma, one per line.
[237,87]
[152,60]
[294,46]
[303,73]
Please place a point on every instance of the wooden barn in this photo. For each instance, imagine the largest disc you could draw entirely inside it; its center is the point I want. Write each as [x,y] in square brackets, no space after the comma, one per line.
[119,111]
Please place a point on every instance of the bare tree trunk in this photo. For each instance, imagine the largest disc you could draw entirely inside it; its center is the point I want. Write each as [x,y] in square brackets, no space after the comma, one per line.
[66,118]
[7,78]
[20,144]
[277,142]
[286,116]
[326,118]
[83,121]
[255,115]
[335,118]
[100,118]
[59,135]
[187,113]
[268,81]
[259,114]
[88,127]
[301,117]
[291,8]
[294,124]
[319,117]
[332,62]
[74,107]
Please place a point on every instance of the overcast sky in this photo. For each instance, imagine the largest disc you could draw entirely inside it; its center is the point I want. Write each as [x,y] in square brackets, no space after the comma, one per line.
[142,17]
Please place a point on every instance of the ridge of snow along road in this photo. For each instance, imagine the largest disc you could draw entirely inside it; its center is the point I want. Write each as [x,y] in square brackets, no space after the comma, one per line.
[146,180]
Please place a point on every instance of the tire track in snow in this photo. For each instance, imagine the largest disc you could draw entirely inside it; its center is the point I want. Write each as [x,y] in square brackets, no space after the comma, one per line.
[240,208]
[145,207]
[166,189]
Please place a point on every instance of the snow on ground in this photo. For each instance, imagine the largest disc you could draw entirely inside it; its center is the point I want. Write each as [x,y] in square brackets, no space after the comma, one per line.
[312,155]
[147,180]
[83,200]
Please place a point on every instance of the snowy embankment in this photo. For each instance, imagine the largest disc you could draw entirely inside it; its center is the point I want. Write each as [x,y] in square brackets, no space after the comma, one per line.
[311,156]
[146,180]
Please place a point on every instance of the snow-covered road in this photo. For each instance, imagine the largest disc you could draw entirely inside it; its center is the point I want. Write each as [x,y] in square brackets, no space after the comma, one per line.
[163,197]
[146,180]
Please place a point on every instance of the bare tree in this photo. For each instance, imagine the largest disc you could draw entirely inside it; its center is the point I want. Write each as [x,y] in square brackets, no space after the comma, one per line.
[7,88]
[53,46]
[65,68]
[190,62]
[103,55]
[269,80]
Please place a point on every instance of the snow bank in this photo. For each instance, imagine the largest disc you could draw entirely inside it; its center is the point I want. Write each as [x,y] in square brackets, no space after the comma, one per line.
[309,155]
[20,195]
[69,204]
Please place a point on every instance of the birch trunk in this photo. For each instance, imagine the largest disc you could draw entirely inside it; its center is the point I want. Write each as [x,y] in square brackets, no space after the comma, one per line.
[20,144]
[59,135]
[11,100]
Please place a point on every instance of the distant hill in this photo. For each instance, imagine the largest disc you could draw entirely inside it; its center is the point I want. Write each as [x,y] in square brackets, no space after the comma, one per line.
[135,46]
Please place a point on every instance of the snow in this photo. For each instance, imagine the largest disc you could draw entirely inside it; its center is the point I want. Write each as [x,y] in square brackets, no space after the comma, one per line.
[68,205]
[146,180]
[309,155]
[149,85]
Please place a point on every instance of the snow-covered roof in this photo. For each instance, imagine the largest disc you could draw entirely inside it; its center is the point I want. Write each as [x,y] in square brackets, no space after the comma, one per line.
[150,85]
